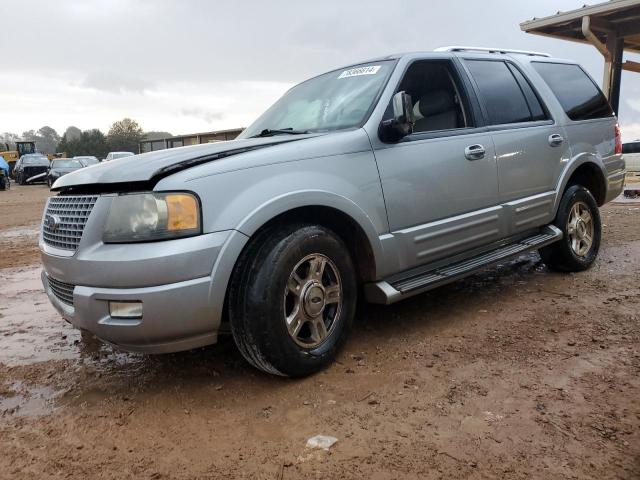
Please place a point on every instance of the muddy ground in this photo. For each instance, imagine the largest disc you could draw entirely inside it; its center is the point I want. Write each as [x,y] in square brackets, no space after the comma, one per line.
[516,372]
[20,213]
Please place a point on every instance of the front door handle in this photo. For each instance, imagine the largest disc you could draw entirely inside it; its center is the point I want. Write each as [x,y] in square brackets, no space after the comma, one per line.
[555,140]
[474,152]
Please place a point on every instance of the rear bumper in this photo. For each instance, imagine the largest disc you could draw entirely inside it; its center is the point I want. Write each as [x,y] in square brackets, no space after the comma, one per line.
[615,184]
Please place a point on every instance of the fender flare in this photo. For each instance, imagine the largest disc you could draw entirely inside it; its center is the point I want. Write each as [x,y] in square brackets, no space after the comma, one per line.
[313,198]
[574,164]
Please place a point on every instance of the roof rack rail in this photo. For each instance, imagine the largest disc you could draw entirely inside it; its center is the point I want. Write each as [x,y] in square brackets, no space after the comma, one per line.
[456,48]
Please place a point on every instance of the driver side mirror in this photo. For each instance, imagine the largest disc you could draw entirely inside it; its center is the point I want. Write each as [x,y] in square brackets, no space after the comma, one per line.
[401,124]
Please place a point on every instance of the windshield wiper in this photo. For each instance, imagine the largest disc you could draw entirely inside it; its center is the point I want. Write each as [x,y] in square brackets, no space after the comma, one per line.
[267,132]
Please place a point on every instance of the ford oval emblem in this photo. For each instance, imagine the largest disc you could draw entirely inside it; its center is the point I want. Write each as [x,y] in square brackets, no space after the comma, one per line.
[52,222]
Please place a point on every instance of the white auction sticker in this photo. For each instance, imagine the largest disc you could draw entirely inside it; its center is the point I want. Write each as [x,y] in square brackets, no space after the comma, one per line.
[354,72]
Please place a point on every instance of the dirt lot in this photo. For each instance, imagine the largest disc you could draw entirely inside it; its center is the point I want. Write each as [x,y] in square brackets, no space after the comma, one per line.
[514,373]
[21,210]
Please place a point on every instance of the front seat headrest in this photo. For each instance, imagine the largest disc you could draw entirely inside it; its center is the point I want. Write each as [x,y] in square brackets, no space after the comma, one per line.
[434,102]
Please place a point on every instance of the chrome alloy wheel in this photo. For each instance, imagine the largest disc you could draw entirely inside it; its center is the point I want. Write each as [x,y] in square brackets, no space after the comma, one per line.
[580,229]
[312,300]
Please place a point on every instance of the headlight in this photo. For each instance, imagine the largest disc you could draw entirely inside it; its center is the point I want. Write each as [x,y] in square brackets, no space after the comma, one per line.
[145,217]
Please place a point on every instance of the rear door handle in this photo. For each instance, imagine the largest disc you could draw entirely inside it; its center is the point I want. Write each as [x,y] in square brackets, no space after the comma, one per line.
[474,152]
[555,139]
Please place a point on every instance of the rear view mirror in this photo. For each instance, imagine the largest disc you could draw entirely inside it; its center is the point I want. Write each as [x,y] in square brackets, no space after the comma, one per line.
[401,124]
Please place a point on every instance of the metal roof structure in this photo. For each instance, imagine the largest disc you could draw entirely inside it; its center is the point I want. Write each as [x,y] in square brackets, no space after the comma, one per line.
[188,139]
[611,27]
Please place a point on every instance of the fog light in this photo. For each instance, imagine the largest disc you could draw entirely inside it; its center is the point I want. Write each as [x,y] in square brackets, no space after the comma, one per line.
[125,309]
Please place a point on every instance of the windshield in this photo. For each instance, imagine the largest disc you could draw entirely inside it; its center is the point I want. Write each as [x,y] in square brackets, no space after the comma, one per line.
[66,164]
[332,101]
[36,160]
[88,160]
[122,154]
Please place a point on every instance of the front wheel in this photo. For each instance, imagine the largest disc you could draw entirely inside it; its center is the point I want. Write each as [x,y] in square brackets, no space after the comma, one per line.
[292,299]
[579,219]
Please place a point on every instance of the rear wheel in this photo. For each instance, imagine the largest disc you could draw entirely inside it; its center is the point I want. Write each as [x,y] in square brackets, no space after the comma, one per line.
[292,299]
[579,219]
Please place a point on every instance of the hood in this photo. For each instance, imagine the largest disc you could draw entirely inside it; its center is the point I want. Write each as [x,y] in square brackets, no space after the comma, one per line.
[35,165]
[155,165]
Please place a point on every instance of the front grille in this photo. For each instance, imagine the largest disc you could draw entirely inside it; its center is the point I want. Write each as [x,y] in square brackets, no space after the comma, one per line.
[33,171]
[65,219]
[62,291]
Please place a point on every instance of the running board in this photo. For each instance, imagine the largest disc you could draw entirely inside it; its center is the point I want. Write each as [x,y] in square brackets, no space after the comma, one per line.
[387,292]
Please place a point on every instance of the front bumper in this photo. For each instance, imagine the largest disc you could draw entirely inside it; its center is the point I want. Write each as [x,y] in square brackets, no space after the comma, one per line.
[176,316]
[181,284]
[29,172]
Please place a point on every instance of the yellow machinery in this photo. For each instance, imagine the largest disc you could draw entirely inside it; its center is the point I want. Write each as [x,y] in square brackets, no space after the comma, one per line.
[12,156]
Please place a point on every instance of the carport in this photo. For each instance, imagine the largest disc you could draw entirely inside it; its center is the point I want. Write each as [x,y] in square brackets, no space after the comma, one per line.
[612,27]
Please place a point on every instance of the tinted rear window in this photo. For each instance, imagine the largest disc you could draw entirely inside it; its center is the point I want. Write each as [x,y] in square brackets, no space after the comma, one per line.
[633,147]
[501,94]
[579,96]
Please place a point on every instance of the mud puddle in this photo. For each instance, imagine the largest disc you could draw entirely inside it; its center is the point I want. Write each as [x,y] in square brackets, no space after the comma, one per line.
[30,329]
[20,399]
[30,231]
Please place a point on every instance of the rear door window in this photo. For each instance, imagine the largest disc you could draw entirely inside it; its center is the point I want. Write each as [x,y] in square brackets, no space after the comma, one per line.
[579,96]
[503,98]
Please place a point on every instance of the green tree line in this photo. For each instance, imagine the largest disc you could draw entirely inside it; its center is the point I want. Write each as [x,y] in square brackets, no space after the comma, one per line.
[124,135]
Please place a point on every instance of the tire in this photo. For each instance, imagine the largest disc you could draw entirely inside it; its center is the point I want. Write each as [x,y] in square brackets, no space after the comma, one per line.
[20,180]
[49,182]
[263,299]
[573,253]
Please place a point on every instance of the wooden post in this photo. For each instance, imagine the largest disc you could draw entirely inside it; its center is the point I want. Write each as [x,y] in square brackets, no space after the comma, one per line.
[616,73]
[613,69]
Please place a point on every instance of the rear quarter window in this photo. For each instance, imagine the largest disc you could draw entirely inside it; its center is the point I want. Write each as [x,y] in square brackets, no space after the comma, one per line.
[579,96]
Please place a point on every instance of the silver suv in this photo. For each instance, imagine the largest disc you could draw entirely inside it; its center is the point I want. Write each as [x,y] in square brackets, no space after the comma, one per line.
[383,179]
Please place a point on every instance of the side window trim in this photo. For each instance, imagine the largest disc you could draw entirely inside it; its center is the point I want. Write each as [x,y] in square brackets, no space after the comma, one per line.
[478,119]
[476,90]
[454,132]
[514,126]
[461,99]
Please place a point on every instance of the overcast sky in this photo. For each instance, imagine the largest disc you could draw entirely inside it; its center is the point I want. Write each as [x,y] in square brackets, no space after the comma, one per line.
[190,66]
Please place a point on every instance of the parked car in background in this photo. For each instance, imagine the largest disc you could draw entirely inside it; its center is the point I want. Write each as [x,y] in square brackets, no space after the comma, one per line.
[31,165]
[61,167]
[115,155]
[4,180]
[631,151]
[4,174]
[388,178]
[87,160]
